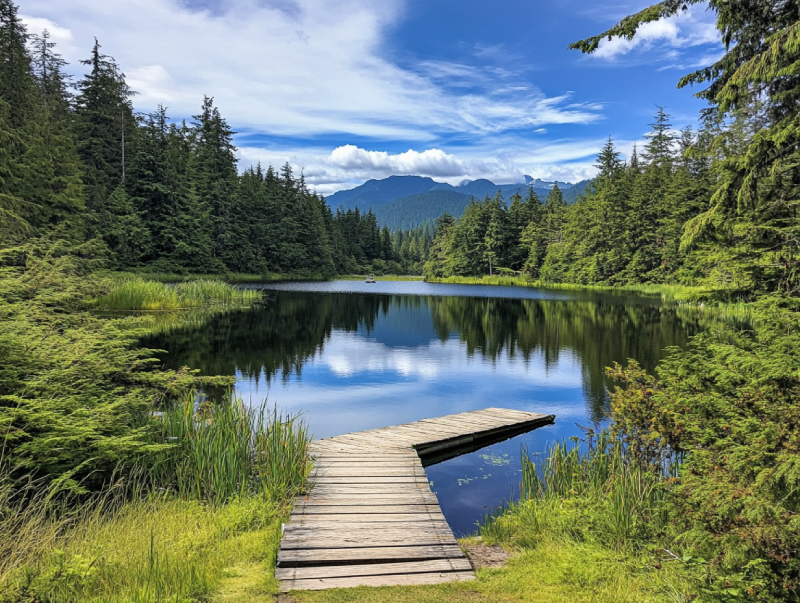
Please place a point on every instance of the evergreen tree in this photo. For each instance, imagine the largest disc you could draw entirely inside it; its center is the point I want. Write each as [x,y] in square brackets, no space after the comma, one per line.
[214,178]
[498,234]
[105,127]
[437,264]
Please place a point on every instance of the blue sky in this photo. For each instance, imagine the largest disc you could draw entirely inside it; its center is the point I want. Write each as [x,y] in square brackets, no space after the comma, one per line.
[348,90]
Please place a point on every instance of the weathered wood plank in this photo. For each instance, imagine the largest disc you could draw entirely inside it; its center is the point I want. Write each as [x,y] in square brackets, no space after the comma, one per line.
[311,509]
[393,580]
[368,479]
[374,569]
[336,556]
[409,498]
[339,519]
[429,526]
[355,489]
[367,471]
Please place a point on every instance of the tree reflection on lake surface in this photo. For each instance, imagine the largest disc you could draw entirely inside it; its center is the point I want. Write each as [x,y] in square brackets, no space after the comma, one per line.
[355,356]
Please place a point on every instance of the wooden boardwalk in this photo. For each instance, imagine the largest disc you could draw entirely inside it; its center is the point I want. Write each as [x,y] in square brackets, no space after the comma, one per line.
[371,518]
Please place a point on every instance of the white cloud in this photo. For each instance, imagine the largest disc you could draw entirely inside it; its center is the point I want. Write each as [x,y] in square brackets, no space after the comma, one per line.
[683,31]
[36,25]
[302,69]
[431,162]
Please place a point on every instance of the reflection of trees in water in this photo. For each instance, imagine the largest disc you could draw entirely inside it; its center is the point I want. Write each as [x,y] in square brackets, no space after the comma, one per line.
[292,327]
[596,332]
[277,338]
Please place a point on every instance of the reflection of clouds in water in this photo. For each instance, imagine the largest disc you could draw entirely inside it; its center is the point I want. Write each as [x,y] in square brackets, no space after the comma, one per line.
[348,354]
[358,383]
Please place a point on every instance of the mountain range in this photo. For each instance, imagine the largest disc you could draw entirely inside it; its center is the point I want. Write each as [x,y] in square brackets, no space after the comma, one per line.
[405,202]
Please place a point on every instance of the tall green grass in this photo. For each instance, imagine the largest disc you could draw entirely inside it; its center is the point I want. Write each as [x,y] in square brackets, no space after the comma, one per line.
[594,493]
[221,451]
[136,293]
[208,506]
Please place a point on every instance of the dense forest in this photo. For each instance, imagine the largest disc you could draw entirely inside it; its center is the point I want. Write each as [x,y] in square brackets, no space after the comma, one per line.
[78,164]
[652,219]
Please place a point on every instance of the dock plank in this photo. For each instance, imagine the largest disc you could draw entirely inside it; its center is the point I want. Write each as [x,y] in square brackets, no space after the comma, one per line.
[332,557]
[374,569]
[392,580]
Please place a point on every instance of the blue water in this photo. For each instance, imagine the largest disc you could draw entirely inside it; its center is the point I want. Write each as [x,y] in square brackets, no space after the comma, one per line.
[354,356]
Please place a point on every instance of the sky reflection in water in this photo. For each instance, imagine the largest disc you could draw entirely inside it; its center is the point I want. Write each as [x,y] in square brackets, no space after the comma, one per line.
[354,356]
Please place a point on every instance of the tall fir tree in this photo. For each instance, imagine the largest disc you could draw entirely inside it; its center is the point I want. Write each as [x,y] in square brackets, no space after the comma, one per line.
[105,128]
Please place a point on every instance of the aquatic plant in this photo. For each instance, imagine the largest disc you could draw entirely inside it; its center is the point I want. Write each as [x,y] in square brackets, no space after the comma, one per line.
[136,293]
[222,450]
[614,497]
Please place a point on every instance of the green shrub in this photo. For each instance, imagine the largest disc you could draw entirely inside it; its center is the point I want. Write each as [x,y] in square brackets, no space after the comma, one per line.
[728,405]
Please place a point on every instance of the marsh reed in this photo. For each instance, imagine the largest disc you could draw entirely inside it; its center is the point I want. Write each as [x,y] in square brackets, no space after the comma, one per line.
[136,293]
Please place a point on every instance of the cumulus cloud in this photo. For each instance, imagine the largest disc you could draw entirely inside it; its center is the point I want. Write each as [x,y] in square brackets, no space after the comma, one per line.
[431,162]
[689,29]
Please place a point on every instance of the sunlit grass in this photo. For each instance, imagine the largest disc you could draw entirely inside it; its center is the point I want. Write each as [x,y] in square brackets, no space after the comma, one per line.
[557,570]
[204,520]
[136,293]
[663,291]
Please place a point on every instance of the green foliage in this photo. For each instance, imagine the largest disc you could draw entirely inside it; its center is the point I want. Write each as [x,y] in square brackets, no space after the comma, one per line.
[75,389]
[727,405]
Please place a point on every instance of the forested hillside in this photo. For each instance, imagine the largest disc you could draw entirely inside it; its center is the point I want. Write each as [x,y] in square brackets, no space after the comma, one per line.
[78,164]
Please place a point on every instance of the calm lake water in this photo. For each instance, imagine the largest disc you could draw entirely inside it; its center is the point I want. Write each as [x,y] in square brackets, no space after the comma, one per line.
[354,356]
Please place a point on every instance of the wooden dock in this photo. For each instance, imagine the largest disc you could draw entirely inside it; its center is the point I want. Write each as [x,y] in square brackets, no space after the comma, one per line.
[371,518]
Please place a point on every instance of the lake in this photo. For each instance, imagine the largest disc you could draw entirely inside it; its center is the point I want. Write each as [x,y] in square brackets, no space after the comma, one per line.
[354,356]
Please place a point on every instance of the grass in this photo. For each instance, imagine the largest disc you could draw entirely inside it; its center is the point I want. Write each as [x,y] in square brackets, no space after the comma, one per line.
[136,293]
[201,521]
[220,452]
[159,549]
[664,291]
[556,571]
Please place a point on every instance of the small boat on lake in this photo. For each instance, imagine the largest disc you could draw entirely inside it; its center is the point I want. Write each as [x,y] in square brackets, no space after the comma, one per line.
[370,279]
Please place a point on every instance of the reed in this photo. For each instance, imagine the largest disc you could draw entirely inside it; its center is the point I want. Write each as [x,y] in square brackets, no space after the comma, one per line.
[209,506]
[136,293]
[221,451]
[597,492]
